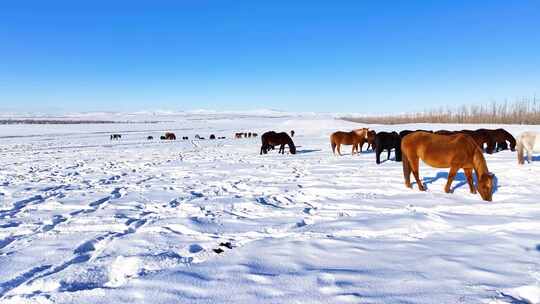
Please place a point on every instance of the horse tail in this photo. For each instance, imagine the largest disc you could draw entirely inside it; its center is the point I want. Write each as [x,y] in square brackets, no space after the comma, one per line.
[333,144]
[264,144]
[519,148]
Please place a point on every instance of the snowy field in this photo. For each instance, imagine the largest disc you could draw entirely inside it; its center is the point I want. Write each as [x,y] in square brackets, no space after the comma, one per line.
[87,220]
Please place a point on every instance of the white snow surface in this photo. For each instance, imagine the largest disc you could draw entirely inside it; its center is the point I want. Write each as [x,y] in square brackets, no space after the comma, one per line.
[84,219]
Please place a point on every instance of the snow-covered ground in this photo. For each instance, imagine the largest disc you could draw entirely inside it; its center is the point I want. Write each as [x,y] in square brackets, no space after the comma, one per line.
[87,220]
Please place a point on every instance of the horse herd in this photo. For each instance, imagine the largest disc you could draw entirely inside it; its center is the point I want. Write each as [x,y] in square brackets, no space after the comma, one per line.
[440,149]
[169,136]
[245,134]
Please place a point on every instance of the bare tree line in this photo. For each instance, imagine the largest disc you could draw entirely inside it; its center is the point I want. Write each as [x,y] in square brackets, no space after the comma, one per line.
[522,111]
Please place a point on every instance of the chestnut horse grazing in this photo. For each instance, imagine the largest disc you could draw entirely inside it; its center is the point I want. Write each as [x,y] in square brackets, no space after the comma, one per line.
[529,141]
[271,139]
[354,138]
[458,151]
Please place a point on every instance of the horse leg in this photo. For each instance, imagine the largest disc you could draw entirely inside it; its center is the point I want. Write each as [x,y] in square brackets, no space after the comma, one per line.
[529,154]
[407,171]
[451,176]
[339,149]
[520,149]
[468,174]
[490,147]
[415,168]
[388,157]
[378,152]
[398,153]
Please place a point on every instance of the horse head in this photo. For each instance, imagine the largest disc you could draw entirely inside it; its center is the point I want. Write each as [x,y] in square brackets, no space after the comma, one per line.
[292,148]
[485,186]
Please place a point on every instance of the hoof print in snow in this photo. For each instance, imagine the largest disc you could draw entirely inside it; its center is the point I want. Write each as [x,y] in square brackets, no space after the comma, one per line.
[222,245]
[226,244]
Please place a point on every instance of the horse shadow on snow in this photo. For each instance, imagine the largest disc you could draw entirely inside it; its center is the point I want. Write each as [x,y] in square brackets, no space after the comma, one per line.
[307,151]
[460,178]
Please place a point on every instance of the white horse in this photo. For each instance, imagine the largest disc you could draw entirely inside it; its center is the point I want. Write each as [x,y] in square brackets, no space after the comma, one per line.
[529,141]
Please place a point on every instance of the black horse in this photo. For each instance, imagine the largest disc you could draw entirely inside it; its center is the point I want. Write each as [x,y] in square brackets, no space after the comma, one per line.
[212,136]
[271,139]
[387,141]
[116,136]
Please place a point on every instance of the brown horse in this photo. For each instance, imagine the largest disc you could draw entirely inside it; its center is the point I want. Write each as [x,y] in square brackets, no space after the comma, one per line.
[369,139]
[446,132]
[501,137]
[170,136]
[481,137]
[271,139]
[353,138]
[458,151]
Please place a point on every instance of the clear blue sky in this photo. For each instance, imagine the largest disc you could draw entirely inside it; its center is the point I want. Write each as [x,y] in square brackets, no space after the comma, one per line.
[357,56]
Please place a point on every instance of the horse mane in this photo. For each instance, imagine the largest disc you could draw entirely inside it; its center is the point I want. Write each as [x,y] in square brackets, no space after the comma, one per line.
[479,161]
